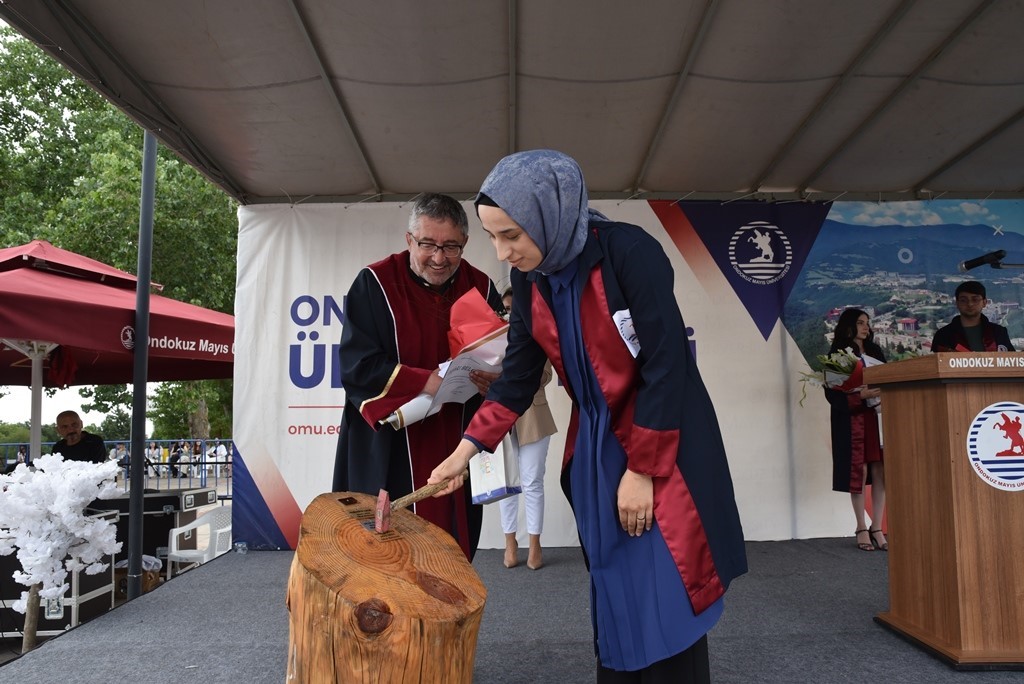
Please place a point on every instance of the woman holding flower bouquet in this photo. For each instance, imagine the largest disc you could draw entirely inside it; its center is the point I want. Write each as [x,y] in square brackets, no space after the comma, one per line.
[645,467]
[856,443]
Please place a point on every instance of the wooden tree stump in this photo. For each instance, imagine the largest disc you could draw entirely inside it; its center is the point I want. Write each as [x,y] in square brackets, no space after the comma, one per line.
[403,606]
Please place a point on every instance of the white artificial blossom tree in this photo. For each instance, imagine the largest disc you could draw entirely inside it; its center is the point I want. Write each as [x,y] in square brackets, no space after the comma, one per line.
[42,518]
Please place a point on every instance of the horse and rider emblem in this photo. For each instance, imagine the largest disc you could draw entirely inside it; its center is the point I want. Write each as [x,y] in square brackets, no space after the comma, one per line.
[760,253]
[995,445]
[1011,431]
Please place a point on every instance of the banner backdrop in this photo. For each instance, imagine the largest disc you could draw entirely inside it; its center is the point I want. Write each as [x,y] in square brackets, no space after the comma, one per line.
[760,286]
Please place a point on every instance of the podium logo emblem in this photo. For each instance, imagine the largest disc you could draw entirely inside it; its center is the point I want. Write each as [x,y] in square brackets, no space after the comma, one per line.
[995,445]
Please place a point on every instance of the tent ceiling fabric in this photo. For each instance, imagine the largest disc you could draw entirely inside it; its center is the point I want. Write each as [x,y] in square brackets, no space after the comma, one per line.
[319,100]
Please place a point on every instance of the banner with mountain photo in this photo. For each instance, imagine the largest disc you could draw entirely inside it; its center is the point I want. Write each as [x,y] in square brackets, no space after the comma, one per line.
[898,261]
[760,286]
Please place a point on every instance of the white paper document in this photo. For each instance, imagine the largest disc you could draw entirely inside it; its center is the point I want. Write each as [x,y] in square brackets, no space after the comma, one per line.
[456,387]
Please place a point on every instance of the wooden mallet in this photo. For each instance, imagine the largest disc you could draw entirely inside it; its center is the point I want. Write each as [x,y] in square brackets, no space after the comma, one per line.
[382,517]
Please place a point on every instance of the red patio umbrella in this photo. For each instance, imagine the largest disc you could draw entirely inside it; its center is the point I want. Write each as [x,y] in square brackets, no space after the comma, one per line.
[74,317]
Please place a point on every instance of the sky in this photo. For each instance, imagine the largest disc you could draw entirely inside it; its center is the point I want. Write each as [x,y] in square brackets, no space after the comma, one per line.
[16,407]
[1007,215]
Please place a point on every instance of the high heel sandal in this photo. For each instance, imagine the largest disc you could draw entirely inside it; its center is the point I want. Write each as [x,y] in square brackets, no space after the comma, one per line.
[511,553]
[535,562]
[865,546]
[884,545]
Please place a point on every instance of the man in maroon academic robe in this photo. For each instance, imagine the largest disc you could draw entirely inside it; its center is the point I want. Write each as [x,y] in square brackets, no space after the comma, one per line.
[394,337]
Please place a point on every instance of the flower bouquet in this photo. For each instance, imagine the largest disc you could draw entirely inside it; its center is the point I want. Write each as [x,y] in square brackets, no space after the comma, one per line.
[841,370]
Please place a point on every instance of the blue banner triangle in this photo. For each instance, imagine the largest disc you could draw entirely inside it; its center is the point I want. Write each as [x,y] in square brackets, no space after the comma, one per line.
[759,247]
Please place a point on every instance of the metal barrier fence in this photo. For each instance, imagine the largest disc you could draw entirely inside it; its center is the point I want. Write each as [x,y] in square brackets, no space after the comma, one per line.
[197,465]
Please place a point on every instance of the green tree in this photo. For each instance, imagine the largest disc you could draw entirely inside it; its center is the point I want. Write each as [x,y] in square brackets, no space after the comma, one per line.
[194,224]
[72,175]
[105,398]
[45,115]
[19,433]
[14,433]
[111,400]
[198,410]
[117,425]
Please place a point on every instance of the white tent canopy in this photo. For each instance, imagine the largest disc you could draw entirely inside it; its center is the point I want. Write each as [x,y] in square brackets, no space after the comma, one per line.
[319,100]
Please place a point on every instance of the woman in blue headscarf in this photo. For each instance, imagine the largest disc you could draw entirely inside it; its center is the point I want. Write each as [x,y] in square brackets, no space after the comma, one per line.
[645,468]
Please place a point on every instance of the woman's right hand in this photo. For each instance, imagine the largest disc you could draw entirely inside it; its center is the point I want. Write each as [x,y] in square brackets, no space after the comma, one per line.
[870,393]
[453,468]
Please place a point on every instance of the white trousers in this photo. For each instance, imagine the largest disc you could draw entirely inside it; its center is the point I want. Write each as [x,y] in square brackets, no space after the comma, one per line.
[532,463]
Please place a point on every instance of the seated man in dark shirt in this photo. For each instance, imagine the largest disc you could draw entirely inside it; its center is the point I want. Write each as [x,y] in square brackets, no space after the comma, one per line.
[76,444]
[971,331]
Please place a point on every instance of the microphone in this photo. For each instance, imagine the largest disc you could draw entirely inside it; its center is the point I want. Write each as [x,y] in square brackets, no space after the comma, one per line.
[992,258]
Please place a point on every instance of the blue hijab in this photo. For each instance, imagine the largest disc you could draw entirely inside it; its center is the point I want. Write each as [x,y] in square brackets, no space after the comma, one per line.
[543,191]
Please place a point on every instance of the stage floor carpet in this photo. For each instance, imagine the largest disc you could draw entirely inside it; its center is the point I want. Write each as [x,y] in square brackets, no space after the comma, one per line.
[802,614]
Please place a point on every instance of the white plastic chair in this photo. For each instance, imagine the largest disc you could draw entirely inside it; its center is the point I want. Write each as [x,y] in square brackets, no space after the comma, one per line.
[219,542]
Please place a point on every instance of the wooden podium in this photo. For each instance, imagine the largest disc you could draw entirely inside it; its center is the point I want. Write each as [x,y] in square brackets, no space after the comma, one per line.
[955,511]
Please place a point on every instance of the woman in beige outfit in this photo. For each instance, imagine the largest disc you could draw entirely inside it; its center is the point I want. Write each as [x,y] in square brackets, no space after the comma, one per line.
[529,439]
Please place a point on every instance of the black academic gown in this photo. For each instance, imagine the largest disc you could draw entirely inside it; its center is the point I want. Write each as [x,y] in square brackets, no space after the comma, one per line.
[394,336]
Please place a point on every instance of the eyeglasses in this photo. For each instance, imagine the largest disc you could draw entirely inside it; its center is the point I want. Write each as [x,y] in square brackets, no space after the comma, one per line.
[449,249]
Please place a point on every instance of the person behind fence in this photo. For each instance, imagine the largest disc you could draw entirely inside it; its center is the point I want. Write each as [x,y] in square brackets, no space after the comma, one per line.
[529,440]
[224,455]
[216,457]
[971,330]
[119,453]
[77,444]
[186,458]
[856,441]
[645,468]
[197,458]
[153,458]
[20,457]
[397,317]
[178,452]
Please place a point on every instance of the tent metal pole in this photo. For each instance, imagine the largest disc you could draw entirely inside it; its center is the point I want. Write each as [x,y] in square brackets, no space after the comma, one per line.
[138,455]
[36,351]
[36,430]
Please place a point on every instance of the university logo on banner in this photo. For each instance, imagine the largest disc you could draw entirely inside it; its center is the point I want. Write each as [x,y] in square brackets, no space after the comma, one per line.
[766,267]
[995,445]
[758,247]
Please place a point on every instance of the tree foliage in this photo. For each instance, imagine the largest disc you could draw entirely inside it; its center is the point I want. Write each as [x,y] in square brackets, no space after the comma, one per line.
[199,410]
[19,433]
[45,114]
[105,398]
[70,173]
[117,425]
